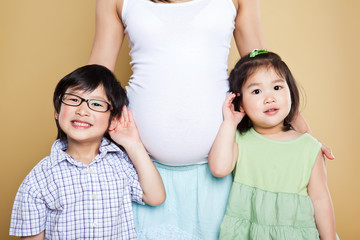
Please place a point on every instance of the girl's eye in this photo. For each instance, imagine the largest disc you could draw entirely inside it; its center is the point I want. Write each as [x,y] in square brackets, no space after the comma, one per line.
[256,91]
[277,87]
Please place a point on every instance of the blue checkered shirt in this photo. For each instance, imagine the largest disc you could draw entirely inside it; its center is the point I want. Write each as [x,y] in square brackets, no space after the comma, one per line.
[71,200]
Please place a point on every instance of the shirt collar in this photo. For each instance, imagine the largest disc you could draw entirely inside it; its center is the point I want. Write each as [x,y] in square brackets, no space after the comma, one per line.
[59,147]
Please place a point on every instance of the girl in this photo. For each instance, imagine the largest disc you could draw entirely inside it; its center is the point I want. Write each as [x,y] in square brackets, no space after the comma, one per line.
[84,189]
[280,176]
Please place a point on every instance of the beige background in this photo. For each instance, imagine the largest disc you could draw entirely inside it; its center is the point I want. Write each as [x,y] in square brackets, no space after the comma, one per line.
[43,40]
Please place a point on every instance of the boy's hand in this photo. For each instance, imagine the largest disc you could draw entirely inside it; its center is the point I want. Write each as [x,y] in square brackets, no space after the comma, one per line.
[123,130]
[230,114]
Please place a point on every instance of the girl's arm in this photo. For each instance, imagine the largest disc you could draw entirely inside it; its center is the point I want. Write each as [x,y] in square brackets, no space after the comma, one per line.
[320,196]
[124,132]
[224,151]
[300,125]
[109,33]
[248,31]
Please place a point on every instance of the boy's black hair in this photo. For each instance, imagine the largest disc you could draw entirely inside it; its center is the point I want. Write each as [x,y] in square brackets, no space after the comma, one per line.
[88,78]
[247,66]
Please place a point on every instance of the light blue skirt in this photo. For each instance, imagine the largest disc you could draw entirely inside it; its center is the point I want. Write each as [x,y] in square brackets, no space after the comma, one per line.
[194,207]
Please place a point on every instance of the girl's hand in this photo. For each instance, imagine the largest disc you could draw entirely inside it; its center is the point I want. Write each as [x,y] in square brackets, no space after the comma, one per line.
[123,130]
[229,112]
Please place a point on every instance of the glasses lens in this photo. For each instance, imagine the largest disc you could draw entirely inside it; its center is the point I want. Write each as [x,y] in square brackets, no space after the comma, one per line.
[98,105]
[71,100]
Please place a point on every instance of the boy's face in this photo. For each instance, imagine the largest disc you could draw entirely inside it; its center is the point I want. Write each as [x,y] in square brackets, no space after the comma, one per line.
[80,123]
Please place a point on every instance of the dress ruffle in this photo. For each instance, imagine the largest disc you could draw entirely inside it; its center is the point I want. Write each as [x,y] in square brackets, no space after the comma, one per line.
[256,214]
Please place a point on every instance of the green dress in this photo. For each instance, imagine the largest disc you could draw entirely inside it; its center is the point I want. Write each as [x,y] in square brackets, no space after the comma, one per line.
[269,198]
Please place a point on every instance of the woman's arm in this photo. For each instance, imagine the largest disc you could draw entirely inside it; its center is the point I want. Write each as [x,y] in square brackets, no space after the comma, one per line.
[124,132]
[320,196]
[248,31]
[109,33]
[224,151]
[300,125]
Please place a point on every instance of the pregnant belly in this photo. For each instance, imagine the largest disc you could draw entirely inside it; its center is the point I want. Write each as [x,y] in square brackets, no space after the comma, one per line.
[177,130]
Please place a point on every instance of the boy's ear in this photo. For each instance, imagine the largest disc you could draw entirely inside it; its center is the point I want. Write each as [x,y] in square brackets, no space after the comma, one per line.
[56,115]
[241,109]
[113,124]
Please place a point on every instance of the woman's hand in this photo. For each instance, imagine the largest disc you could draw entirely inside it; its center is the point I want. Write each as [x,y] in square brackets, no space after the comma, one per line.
[300,125]
[327,151]
[230,114]
[123,130]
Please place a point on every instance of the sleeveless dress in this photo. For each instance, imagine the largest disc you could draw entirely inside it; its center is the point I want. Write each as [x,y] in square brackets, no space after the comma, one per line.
[179,55]
[269,199]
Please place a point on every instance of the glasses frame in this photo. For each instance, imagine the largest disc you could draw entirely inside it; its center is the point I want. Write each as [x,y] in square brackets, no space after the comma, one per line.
[109,107]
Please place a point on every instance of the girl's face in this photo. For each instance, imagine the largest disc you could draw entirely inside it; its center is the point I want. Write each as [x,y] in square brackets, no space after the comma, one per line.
[266,100]
[80,123]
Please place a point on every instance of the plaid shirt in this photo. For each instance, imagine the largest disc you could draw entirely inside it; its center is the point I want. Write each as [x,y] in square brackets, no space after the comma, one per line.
[71,200]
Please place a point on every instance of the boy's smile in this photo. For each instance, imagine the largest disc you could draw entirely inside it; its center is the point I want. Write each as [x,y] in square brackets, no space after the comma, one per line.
[80,124]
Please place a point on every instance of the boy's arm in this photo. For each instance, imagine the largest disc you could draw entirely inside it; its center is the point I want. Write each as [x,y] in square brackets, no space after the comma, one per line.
[300,125]
[149,177]
[124,132]
[320,196]
[40,236]
[224,151]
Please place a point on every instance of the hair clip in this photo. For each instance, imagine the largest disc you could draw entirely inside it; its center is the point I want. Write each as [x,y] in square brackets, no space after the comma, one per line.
[256,52]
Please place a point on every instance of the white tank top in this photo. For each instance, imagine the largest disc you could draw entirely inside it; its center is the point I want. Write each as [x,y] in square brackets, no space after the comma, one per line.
[179,61]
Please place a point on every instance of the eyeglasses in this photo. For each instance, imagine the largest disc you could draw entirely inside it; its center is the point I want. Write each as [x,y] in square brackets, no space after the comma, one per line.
[93,104]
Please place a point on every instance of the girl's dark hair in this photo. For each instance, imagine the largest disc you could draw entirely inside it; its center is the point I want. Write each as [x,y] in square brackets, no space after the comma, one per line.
[247,66]
[88,78]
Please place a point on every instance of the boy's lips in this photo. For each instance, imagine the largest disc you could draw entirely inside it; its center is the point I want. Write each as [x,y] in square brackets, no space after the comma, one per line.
[80,123]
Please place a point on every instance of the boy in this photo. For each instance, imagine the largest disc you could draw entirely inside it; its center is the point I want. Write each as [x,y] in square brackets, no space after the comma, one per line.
[84,189]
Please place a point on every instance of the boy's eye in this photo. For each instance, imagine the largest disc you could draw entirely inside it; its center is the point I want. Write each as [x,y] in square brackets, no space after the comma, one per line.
[97,104]
[73,99]
[277,87]
[256,91]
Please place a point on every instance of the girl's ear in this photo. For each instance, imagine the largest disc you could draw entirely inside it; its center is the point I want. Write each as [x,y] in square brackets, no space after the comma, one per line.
[56,115]
[241,109]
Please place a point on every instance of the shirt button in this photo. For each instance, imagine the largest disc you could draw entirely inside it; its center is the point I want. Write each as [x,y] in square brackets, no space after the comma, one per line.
[93,196]
[94,224]
[90,170]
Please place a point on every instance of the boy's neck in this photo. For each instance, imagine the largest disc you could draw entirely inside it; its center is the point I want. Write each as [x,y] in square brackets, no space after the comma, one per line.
[83,152]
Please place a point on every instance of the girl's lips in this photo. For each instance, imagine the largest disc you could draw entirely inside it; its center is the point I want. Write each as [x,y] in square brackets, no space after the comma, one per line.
[271,111]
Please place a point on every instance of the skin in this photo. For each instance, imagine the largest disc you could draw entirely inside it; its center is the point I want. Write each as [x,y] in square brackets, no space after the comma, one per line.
[84,142]
[267,102]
